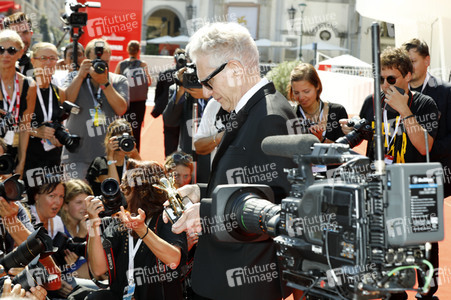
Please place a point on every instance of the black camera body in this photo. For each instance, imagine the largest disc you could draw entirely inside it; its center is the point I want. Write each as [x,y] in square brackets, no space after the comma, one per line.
[190,79]
[12,188]
[7,121]
[112,197]
[126,142]
[362,130]
[70,141]
[63,242]
[99,65]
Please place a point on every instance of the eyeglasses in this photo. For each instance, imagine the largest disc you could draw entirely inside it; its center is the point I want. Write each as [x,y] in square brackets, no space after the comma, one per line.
[213,74]
[10,50]
[46,58]
[390,79]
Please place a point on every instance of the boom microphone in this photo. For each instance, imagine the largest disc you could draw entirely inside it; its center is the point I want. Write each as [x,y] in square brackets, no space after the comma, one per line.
[289,145]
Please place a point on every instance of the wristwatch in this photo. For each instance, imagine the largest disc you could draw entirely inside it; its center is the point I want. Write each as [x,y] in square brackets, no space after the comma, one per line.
[104,86]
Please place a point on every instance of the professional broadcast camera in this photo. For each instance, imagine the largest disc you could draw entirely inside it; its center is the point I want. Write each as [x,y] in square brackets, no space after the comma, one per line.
[126,142]
[112,197]
[359,234]
[37,244]
[99,64]
[70,141]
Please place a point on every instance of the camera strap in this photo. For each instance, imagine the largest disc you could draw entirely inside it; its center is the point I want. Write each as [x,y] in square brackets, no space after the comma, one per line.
[10,107]
[47,114]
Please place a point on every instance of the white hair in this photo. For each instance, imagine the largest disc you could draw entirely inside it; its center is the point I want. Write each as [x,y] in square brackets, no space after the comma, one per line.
[222,42]
[11,35]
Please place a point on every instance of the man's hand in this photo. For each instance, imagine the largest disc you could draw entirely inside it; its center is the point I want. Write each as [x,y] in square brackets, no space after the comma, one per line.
[36,293]
[45,132]
[12,291]
[344,126]
[196,93]
[84,68]
[192,191]
[397,101]
[189,222]
[99,78]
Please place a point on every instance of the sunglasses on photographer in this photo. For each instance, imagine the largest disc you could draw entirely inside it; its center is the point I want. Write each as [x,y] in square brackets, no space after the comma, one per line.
[10,50]
[390,79]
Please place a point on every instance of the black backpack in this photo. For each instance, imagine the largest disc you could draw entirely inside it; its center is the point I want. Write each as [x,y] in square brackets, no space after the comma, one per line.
[137,79]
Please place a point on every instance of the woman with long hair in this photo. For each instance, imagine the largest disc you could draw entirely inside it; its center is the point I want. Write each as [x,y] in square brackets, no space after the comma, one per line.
[146,252]
[318,117]
[17,99]
[113,165]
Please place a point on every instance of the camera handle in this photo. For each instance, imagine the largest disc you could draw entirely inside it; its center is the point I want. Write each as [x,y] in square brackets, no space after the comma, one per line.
[75,36]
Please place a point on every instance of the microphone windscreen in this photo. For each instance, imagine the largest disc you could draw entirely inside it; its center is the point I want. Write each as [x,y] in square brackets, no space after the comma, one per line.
[289,145]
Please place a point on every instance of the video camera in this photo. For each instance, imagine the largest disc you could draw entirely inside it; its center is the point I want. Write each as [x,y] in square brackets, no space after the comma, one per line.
[37,244]
[70,141]
[359,234]
[112,197]
[76,21]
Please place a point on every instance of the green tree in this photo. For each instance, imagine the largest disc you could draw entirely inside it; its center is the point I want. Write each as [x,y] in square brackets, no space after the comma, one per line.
[280,75]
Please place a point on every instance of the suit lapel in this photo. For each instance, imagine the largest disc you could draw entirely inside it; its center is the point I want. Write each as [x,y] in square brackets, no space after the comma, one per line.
[236,121]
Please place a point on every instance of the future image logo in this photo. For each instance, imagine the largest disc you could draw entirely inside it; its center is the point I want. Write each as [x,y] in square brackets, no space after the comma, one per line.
[112,24]
[251,275]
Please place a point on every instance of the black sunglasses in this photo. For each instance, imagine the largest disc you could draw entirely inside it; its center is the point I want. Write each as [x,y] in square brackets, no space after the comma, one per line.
[10,50]
[390,79]
[213,74]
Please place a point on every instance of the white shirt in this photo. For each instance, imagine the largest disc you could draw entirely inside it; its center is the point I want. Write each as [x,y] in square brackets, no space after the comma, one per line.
[208,125]
[250,93]
[57,222]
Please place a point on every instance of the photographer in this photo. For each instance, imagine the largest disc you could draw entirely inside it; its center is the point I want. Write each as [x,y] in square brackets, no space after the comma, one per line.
[163,92]
[179,113]
[113,165]
[101,96]
[146,255]
[406,113]
[44,150]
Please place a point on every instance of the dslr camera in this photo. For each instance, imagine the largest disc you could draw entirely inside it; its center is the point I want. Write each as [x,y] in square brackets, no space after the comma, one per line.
[112,197]
[12,188]
[126,142]
[37,244]
[99,65]
[180,60]
[190,79]
[63,242]
[70,141]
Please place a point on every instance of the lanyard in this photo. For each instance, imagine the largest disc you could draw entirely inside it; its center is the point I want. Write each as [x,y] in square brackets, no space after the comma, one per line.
[202,104]
[387,129]
[47,116]
[9,107]
[132,253]
[97,100]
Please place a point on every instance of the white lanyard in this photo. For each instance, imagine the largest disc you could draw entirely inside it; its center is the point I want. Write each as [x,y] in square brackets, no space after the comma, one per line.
[99,91]
[320,115]
[132,250]
[47,116]
[387,129]
[131,257]
[11,102]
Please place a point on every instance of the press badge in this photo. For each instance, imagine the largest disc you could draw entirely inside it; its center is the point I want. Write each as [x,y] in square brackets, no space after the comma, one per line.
[388,159]
[9,137]
[129,290]
[98,116]
[47,145]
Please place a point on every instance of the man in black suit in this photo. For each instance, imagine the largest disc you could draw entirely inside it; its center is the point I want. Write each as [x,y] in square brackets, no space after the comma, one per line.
[227,65]
[422,81]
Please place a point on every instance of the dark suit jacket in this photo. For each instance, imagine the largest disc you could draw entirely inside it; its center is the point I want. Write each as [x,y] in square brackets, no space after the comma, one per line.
[441,93]
[218,266]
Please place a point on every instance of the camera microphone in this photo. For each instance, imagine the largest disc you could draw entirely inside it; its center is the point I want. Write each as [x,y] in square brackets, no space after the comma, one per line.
[289,145]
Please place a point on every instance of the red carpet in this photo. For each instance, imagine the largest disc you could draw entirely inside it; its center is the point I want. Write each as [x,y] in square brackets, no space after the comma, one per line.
[152,148]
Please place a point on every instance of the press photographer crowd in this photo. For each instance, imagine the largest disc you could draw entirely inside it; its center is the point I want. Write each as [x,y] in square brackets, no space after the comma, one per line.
[261,196]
